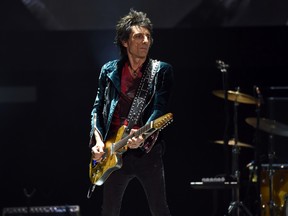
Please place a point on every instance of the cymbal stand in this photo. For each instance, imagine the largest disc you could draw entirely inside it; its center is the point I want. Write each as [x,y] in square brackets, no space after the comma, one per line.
[257,164]
[236,205]
[271,156]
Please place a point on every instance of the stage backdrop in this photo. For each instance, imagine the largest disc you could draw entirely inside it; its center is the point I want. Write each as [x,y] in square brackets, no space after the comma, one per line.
[48,86]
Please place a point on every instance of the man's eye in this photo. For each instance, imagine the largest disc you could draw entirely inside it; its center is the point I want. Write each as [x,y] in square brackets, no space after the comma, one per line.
[141,37]
[138,36]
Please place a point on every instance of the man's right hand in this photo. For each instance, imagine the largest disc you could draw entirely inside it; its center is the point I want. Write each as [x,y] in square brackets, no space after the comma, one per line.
[97,151]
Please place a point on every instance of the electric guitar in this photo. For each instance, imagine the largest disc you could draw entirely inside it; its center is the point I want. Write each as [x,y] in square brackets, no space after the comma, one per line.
[117,145]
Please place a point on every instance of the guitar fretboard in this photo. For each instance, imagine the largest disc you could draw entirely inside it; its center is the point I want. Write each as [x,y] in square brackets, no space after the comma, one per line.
[121,143]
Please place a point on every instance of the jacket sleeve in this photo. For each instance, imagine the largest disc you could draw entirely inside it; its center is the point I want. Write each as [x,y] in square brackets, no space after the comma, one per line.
[162,96]
[96,113]
[161,100]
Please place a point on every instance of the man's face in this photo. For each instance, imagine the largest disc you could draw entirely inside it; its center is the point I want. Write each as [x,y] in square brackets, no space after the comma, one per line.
[139,42]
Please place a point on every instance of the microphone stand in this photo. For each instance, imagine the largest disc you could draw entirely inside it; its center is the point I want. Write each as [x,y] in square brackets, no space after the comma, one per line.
[223,68]
[235,192]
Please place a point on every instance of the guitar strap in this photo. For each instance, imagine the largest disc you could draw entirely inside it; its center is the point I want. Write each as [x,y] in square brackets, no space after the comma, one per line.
[142,92]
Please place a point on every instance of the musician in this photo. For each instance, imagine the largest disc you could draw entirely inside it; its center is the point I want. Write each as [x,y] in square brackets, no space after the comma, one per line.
[117,86]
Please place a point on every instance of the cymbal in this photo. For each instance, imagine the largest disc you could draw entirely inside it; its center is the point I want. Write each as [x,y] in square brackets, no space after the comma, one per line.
[235,96]
[232,142]
[269,126]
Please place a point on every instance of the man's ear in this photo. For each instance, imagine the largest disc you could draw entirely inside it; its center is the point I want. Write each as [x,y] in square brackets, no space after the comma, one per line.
[124,43]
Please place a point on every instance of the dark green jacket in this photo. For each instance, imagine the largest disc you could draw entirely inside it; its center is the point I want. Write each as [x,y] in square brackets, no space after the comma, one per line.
[109,87]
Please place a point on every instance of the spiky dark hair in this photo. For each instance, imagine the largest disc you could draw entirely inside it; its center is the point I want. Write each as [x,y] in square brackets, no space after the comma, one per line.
[123,27]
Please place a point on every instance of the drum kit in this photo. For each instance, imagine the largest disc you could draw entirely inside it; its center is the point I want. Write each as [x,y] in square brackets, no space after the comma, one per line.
[272,178]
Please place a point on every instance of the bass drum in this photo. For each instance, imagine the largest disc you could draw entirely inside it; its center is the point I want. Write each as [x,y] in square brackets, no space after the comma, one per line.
[279,188]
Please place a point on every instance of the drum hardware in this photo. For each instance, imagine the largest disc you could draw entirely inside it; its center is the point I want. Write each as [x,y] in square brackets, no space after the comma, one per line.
[279,192]
[236,96]
[232,142]
[268,125]
[259,101]
[271,157]
[273,128]
[236,205]
[285,209]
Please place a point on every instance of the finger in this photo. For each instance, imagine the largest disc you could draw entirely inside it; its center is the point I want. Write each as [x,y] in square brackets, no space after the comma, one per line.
[100,150]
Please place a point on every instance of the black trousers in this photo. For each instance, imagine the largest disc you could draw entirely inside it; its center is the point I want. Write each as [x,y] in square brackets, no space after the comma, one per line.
[149,170]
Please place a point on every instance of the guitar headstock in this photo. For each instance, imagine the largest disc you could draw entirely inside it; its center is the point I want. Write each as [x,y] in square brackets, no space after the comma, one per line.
[162,121]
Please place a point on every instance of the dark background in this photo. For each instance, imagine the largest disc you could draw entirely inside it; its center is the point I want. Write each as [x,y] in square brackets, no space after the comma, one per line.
[48,84]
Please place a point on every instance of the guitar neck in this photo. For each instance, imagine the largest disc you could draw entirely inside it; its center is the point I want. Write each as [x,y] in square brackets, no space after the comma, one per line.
[121,143]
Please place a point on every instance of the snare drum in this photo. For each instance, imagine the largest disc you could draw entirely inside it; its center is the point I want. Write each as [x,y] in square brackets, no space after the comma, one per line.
[279,188]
